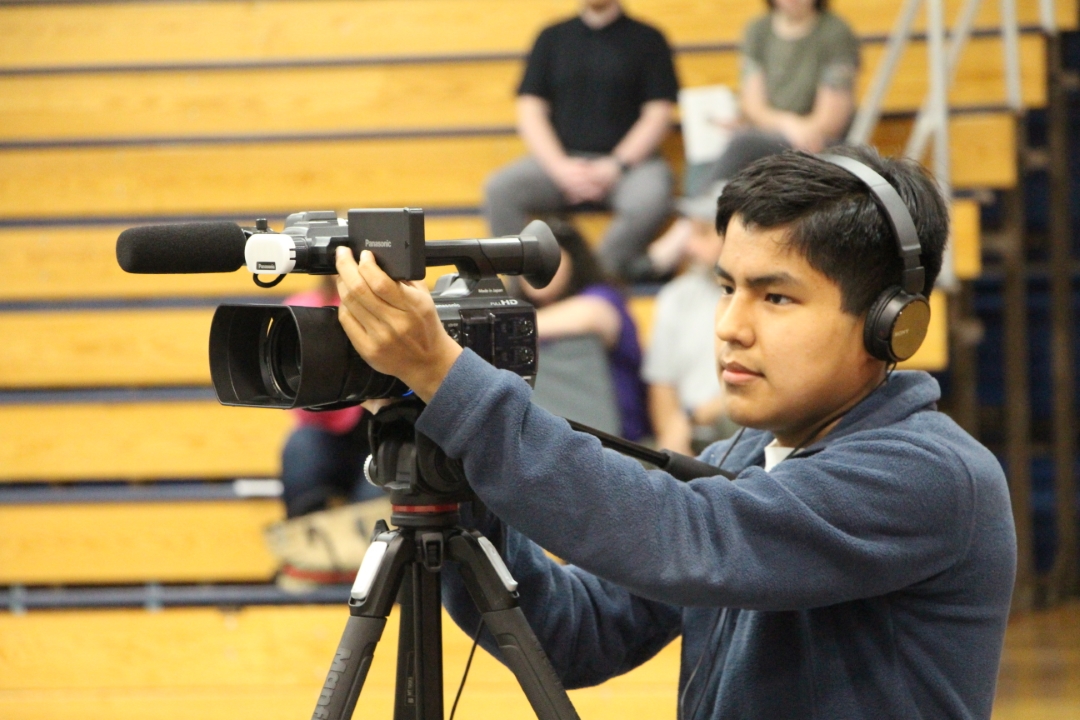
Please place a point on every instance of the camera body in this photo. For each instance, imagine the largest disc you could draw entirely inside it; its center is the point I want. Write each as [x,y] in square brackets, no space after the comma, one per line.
[283,356]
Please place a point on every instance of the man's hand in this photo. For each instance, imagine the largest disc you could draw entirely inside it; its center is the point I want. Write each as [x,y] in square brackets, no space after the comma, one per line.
[393,325]
[605,173]
[577,180]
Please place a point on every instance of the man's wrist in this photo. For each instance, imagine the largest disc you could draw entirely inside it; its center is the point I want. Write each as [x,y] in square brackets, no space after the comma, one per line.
[624,167]
[430,376]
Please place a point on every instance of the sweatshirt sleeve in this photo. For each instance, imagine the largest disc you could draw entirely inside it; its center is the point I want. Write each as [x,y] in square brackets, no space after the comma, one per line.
[865,516]
[590,629]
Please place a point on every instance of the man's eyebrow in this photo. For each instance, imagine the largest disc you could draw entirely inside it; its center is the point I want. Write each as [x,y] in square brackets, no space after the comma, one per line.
[770,280]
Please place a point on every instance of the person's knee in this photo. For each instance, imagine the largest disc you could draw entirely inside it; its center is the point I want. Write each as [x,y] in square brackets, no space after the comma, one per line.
[647,213]
[647,195]
[508,184]
[497,187]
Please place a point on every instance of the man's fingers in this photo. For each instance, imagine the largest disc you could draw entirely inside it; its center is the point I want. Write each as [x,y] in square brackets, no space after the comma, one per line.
[382,285]
[346,267]
[378,317]
[357,285]
[354,329]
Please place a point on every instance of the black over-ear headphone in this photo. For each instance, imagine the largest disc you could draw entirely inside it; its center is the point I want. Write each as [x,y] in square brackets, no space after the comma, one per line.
[898,319]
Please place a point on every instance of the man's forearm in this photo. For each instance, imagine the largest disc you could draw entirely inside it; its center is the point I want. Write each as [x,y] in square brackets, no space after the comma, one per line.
[832,112]
[536,130]
[754,105]
[644,137]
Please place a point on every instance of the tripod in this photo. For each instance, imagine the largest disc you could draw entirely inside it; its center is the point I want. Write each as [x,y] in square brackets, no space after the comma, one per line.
[425,489]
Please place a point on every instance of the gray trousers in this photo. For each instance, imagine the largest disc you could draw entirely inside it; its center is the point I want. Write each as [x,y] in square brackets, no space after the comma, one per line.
[641,202]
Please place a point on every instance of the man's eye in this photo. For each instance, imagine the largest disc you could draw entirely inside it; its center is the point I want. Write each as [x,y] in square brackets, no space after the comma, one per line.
[777,299]
[726,288]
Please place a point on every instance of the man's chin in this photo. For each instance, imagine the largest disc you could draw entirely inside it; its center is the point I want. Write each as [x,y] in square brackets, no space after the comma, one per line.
[748,419]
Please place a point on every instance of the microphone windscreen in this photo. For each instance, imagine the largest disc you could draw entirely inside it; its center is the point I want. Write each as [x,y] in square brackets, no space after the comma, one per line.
[182,248]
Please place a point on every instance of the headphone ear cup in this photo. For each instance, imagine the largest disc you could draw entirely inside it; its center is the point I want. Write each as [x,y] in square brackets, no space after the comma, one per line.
[896,325]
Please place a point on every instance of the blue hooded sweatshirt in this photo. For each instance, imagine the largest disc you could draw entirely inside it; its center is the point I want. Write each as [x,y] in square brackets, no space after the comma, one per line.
[869,576]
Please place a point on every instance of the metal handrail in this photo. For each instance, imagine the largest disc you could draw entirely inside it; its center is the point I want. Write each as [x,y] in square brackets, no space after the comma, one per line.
[870,110]
[920,133]
[932,120]
[1048,16]
[942,68]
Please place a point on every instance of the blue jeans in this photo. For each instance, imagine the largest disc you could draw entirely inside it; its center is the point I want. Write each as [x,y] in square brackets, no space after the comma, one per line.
[318,466]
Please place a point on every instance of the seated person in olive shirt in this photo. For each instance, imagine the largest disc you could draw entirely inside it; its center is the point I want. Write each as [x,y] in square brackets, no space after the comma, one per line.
[797,91]
[593,107]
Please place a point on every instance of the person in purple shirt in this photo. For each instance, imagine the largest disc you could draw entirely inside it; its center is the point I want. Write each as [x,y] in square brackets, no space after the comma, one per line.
[581,300]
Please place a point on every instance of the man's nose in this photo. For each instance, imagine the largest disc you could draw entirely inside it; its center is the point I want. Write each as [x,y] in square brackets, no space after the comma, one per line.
[733,320]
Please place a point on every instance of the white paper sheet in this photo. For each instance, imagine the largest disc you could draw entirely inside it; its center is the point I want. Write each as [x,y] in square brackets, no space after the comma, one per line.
[706,112]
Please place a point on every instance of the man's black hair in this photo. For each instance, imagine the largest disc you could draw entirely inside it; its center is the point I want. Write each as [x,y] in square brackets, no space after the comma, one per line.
[833,221]
[819,5]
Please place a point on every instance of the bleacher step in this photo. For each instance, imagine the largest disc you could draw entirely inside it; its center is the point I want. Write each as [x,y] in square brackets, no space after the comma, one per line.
[266,662]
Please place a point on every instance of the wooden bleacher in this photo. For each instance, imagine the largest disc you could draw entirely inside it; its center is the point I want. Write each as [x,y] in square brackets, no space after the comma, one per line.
[250,102]
[256,662]
[133,542]
[142,34]
[120,113]
[269,662]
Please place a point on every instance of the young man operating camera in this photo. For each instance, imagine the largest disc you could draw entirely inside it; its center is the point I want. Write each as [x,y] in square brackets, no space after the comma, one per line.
[861,564]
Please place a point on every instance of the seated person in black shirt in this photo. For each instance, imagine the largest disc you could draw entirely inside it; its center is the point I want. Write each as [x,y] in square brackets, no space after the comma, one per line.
[593,106]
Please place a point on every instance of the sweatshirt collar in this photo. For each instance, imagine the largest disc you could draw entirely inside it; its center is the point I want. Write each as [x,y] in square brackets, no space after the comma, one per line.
[905,393]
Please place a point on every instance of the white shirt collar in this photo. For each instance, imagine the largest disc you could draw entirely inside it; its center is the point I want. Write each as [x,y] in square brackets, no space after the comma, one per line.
[775,454]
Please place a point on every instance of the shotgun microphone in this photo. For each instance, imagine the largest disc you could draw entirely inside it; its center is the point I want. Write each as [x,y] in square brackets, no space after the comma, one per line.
[204,247]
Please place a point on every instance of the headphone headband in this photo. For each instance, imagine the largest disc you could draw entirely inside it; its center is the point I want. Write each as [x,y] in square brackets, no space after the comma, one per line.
[888,199]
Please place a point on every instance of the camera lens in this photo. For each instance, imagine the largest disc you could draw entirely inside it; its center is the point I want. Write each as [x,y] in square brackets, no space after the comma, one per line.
[290,356]
[282,356]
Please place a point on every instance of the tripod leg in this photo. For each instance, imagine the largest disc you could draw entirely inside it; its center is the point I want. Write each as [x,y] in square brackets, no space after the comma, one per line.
[419,693]
[495,593]
[405,682]
[371,599]
[349,669]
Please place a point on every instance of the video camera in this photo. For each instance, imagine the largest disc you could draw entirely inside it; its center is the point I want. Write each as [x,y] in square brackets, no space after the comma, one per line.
[299,357]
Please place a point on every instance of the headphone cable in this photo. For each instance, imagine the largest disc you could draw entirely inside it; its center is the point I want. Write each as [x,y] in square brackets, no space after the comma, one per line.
[704,651]
[889,367]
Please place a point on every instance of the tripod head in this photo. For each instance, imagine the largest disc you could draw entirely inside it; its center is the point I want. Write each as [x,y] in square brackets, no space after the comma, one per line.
[408,465]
